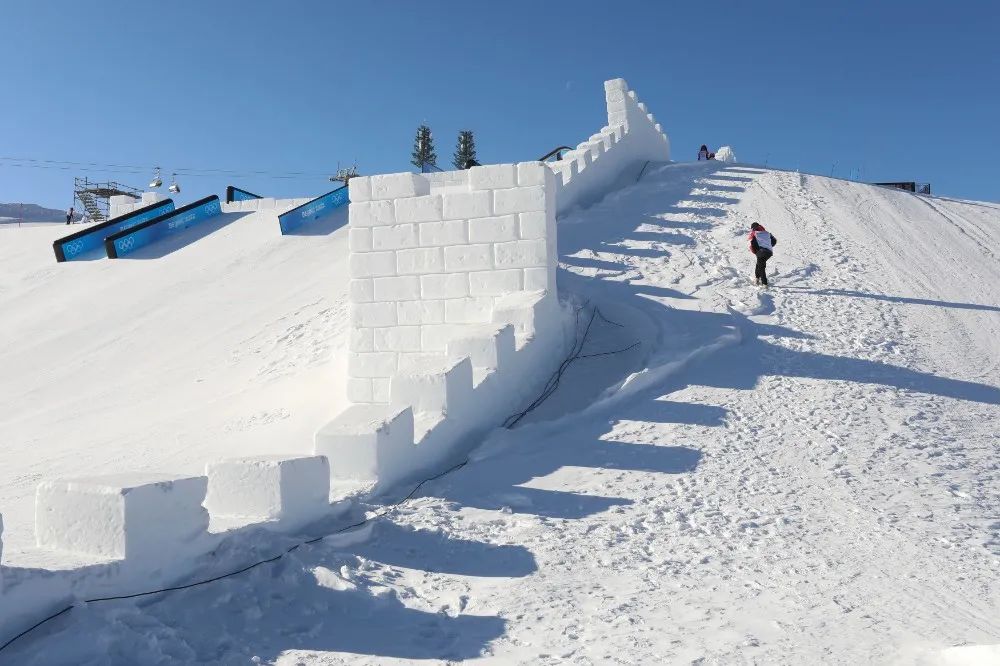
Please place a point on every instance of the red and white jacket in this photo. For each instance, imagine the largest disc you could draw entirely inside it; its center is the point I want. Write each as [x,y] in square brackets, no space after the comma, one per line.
[761,239]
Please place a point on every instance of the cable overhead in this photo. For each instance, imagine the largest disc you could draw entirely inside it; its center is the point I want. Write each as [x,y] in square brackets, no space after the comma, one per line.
[68,165]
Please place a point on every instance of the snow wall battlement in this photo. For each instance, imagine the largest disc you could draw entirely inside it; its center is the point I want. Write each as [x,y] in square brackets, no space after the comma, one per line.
[615,155]
[455,323]
[454,306]
[454,313]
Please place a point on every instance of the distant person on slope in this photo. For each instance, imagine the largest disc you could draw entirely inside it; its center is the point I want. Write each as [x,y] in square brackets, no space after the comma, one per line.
[762,244]
[69,215]
[703,153]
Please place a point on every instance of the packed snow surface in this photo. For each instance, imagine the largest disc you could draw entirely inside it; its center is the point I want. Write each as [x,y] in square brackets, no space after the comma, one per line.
[807,474]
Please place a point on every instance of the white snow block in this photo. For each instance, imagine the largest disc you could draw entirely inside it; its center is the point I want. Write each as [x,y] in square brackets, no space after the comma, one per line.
[367,442]
[121,200]
[419,209]
[398,186]
[359,189]
[289,489]
[725,154]
[529,312]
[465,205]
[137,517]
[492,177]
[485,345]
[519,200]
[432,385]
[371,213]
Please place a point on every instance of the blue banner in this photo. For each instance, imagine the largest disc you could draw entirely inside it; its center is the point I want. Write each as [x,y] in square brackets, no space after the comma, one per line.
[130,240]
[76,245]
[312,210]
[236,194]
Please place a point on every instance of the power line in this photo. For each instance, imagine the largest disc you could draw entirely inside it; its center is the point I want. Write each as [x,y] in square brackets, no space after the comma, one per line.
[68,165]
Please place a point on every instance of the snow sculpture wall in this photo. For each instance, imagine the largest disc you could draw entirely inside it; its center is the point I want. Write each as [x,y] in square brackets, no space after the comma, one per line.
[452,289]
[423,265]
[454,323]
[613,157]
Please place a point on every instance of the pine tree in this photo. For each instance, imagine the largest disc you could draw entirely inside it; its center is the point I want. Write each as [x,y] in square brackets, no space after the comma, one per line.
[423,149]
[465,149]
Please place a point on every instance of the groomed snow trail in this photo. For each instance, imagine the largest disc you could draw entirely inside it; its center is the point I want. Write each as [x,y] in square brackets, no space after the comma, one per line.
[819,487]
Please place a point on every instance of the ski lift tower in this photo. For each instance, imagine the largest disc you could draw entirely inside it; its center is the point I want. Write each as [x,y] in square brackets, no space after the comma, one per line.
[345,174]
[95,197]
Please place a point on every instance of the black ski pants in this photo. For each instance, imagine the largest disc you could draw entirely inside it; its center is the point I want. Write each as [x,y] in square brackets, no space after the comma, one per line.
[760,272]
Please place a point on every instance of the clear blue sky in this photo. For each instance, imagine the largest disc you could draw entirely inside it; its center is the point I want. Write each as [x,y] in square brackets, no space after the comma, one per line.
[902,90]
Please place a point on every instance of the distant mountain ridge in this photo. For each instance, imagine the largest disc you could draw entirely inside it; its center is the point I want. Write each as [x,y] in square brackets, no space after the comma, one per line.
[32,213]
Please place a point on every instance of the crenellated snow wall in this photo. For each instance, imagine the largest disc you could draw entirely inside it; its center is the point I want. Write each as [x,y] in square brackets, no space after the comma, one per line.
[614,156]
[453,305]
[455,324]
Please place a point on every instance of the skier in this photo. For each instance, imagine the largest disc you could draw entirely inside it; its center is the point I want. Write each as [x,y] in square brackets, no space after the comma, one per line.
[762,244]
[703,153]
[69,215]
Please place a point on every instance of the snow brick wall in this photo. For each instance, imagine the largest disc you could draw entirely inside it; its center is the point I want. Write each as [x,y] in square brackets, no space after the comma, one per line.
[122,204]
[455,324]
[614,156]
[453,305]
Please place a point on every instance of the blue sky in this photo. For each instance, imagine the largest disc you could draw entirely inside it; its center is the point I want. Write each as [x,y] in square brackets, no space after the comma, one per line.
[880,90]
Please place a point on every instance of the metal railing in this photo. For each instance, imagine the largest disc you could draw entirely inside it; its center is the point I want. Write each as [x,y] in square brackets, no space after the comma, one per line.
[555,152]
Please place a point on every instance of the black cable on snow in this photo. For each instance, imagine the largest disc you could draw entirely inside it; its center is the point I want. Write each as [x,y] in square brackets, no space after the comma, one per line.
[386,510]
[578,343]
[550,387]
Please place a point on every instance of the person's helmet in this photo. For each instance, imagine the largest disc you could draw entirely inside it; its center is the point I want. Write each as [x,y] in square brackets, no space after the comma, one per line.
[755,226]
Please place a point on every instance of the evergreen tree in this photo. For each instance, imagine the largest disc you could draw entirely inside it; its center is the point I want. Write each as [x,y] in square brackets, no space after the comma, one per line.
[465,149]
[423,149]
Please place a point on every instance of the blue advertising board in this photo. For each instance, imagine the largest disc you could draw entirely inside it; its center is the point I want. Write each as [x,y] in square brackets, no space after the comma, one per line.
[130,240]
[82,242]
[311,210]
[236,194]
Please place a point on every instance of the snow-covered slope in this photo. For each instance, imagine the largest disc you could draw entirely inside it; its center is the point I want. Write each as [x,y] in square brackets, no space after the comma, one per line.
[803,475]
[215,343]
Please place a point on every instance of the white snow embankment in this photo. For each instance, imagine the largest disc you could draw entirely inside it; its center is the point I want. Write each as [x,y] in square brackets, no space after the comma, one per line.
[211,344]
[824,490]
